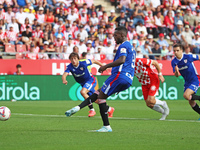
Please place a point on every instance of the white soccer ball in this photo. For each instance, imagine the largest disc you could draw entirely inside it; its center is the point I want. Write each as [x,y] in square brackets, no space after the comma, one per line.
[4,113]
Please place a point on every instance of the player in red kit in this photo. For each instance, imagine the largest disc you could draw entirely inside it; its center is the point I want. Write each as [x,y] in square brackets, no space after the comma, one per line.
[150,84]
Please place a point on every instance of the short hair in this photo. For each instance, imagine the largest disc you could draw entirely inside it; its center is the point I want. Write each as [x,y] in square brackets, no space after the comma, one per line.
[18,66]
[84,54]
[73,54]
[122,29]
[178,45]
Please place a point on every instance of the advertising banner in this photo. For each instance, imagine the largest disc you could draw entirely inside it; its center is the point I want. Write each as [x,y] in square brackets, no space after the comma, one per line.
[57,67]
[31,87]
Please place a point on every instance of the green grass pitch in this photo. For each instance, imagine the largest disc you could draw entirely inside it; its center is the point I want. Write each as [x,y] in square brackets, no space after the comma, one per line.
[134,127]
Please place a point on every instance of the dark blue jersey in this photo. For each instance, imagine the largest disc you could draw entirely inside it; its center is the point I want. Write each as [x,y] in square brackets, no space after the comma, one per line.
[125,70]
[81,73]
[186,67]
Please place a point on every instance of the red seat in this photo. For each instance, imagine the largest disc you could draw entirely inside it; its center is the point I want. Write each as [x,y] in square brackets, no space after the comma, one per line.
[21,48]
[10,48]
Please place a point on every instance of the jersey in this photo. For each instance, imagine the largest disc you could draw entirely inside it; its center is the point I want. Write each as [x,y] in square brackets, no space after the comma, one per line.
[186,67]
[143,70]
[81,73]
[125,70]
[89,67]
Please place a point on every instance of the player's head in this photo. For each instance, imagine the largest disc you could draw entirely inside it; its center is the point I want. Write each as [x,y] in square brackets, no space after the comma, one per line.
[74,58]
[178,50]
[84,55]
[120,34]
[18,66]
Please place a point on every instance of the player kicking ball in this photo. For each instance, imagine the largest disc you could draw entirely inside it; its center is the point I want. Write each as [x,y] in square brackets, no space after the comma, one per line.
[183,64]
[150,84]
[82,75]
[121,78]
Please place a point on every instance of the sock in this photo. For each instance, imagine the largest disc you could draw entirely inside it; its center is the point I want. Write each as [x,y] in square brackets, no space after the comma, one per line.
[104,116]
[195,97]
[91,107]
[89,100]
[196,108]
[158,109]
[159,102]
[109,109]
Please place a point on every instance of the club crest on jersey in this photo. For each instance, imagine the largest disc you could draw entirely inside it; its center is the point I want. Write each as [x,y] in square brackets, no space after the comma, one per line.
[185,61]
[81,68]
[73,69]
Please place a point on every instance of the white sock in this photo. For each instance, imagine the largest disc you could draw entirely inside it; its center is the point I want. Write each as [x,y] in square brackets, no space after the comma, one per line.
[109,109]
[92,109]
[159,102]
[107,126]
[158,109]
[77,107]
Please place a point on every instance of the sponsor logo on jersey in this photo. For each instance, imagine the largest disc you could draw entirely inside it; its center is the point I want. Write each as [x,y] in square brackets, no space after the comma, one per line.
[81,68]
[182,68]
[153,88]
[194,56]
[78,75]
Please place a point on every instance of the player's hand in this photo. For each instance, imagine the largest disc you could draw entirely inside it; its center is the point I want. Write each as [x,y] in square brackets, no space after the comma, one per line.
[102,69]
[176,68]
[65,82]
[162,79]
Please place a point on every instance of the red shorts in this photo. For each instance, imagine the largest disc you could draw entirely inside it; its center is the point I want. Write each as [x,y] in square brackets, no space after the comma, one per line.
[152,88]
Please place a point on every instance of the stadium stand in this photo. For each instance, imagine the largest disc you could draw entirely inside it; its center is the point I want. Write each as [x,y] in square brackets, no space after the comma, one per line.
[70,23]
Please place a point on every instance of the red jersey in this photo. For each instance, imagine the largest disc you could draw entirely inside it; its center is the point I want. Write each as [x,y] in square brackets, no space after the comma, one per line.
[38,34]
[2,35]
[12,35]
[143,70]
[33,56]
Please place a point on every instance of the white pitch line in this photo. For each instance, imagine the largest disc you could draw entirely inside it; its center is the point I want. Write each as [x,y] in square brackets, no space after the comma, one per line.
[117,118]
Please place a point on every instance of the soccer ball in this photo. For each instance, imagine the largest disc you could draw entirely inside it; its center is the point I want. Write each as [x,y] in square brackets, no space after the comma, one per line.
[4,113]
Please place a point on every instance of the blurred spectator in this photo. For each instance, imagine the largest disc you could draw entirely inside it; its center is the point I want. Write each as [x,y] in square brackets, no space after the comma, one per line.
[151,41]
[149,24]
[19,68]
[157,52]
[162,41]
[196,43]
[3,39]
[170,53]
[30,15]
[131,33]
[169,23]
[82,47]
[27,36]
[12,36]
[189,18]
[112,16]
[9,14]
[134,44]
[138,52]
[26,23]
[122,20]
[109,51]
[72,17]
[176,32]
[83,33]
[57,55]
[70,46]
[159,22]
[164,52]
[42,54]
[146,50]
[32,54]
[178,17]
[110,39]
[76,50]
[187,50]
[155,3]
[58,42]
[141,29]
[186,36]
[101,35]
[137,15]
[20,16]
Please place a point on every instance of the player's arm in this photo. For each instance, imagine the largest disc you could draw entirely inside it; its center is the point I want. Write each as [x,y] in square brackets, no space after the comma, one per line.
[115,63]
[97,62]
[65,74]
[176,73]
[155,63]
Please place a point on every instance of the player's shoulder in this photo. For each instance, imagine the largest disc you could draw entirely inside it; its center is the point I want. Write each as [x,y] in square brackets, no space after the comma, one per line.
[126,44]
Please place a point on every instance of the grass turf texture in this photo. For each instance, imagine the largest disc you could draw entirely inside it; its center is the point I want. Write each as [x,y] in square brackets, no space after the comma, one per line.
[130,129]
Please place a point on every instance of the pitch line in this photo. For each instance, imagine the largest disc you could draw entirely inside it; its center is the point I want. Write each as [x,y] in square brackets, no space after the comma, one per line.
[117,118]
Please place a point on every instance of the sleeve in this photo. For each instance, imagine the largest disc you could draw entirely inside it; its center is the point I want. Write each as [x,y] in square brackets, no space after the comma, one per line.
[147,62]
[122,51]
[193,57]
[67,70]
[88,62]
[173,66]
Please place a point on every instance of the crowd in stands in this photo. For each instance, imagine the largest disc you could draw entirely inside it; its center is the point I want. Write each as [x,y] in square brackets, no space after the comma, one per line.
[52,29]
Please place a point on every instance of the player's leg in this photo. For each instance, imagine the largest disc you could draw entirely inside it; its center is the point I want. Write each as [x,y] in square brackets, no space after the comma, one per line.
[188,96]
[85,93]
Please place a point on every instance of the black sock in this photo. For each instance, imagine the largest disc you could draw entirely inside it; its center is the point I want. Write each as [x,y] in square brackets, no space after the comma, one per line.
[196,108]
[195,97]
[88,101]
[90,106]
[103,111]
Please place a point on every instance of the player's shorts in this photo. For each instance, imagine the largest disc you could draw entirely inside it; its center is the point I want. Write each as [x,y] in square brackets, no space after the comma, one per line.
[114,85]
[90,85]
[194,86]
[152,88]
